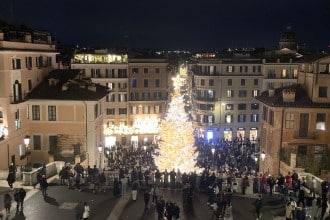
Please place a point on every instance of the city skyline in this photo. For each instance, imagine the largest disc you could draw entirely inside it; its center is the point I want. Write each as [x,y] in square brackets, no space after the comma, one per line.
[191,25]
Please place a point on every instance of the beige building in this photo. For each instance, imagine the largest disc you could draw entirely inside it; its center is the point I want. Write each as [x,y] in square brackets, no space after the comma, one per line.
[26,57]
[225,91]
[295,120]
[137,96]
[66,118]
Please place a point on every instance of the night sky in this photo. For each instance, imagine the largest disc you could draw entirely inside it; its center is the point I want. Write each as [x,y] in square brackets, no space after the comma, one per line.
[174,24]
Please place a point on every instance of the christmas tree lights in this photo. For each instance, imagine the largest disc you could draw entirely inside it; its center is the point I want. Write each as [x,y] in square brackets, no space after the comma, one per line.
[176,148]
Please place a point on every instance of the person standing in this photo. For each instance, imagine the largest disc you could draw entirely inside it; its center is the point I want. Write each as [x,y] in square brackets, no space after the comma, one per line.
[22,195]
[79,209]
[7,203]
[324,206]
[116,189]
[43,185]
[245,184]
[103,181]
[17,200]
[11,175]
[160,208]
[289,211]
[258,205]
[146,198]
[123,181]
[86,211]
[135,187]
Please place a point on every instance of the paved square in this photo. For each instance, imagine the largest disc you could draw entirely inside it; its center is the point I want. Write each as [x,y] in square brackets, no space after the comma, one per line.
[68,205]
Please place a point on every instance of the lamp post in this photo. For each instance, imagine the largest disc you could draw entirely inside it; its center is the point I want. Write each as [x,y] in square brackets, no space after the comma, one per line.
[256,163]
[213,151]
[100,151]
[263,156]
[27,142]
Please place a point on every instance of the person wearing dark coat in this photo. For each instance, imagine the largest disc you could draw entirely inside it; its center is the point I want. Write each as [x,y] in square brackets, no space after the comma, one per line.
[11,175]
[160,205]
[116,188]
[22,195]
[146,197]
[43,185]
[258,205]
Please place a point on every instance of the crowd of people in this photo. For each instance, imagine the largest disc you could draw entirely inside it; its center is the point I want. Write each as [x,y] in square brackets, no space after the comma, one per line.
[134,168]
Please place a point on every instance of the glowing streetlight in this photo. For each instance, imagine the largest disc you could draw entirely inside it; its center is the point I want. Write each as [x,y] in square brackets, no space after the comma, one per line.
[26,140]
[100,151]
[263,155]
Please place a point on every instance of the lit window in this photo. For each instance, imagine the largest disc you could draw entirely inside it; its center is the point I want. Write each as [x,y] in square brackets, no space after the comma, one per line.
[254,118]
[289,120]
[230,69]
[211,93]
[145,109]
[229,107]
[134,110]
[255,92]
[230,93]
[284,73]
[295,73]
[320,121]
[157,109]
[229,118]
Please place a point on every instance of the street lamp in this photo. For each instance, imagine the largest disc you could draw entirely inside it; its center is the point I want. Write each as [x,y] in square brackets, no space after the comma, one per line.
[27,152]
[263,155]
[100,151]
[213,150]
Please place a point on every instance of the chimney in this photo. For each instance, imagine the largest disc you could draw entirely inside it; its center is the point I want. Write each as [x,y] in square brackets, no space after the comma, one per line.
[52,81]
[28,38]
[49,39]
[271,92]
[289,95]
[65,87]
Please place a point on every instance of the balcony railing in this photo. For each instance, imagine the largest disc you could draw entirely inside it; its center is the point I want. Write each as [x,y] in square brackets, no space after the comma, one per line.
[304,135]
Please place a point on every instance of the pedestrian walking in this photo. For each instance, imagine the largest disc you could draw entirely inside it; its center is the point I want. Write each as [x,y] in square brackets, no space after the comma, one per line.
[43,185]
[86,211]
[7,203]
[11,178]
[258,205]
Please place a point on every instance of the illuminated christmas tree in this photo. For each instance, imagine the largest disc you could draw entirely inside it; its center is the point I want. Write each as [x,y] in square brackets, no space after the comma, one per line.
[176,148]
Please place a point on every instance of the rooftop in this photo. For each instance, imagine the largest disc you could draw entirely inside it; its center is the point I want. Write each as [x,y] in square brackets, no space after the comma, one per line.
[67,85]
[301,98]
